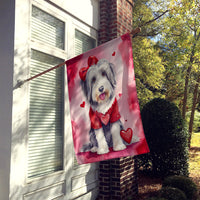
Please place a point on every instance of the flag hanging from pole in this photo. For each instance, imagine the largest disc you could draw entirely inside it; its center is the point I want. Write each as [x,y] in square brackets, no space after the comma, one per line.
[104,108]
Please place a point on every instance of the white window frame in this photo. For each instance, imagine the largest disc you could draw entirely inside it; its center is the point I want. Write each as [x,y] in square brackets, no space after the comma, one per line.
[52,51]
[19,155]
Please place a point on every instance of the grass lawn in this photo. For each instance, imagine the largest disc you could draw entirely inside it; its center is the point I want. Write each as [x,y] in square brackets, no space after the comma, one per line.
[195,141]
[194,159]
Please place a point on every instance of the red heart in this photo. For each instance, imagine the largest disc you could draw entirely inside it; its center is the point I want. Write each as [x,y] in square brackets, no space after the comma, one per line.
[127,135]
[105,118]
[120,94]
[113,54]
[83,104]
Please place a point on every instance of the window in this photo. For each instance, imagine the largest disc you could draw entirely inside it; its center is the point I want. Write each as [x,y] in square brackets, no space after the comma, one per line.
[47,29]
[45,139]
[83,42]
[46,104]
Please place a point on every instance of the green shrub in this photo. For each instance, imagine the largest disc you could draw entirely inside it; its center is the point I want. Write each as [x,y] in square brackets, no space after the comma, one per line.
[171,193]
[167,138]
[183,183]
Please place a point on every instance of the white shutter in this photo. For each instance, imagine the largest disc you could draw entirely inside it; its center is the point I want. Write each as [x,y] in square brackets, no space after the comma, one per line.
[47,29]
[45,143]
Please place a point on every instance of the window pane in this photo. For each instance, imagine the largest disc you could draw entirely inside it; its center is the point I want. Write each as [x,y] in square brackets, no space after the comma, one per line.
[45,142]
[83,43]
[47,29]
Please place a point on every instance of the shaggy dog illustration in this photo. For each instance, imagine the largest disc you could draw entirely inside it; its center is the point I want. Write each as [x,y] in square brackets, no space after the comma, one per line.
[98,84]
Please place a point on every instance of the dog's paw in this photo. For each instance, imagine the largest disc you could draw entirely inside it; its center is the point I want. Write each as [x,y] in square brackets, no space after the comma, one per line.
[135,139]
[102,150]
[119,147]
[94,149]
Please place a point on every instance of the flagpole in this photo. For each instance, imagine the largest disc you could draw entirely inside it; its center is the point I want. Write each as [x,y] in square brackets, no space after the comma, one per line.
[133,33]
[20,83]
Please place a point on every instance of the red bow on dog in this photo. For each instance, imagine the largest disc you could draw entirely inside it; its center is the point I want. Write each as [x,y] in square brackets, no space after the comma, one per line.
[92,60]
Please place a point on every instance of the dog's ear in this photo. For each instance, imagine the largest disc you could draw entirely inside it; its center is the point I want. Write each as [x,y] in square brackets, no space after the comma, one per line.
[111,75]
[88,91]
[84,88]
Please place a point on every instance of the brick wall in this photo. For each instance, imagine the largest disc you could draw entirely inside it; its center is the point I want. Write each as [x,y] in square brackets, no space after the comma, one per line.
[118,177]
[115,19]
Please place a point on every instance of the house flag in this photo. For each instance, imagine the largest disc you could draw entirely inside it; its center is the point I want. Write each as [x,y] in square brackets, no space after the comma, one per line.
[104,108]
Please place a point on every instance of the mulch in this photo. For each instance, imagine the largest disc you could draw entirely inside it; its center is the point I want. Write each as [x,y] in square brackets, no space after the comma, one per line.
[149,186]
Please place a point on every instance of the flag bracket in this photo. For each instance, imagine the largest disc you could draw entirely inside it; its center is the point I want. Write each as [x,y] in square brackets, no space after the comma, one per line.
[19,84]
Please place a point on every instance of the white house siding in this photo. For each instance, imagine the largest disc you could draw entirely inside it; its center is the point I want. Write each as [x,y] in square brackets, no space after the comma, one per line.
[6,78]
[86,10]
[73,182]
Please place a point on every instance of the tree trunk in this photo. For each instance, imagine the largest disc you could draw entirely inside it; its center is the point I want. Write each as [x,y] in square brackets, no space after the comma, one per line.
[185,91]
[188,74]
[198,99]
[193,109]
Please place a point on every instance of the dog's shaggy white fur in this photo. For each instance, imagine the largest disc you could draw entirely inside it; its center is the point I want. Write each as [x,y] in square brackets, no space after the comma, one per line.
[99,88]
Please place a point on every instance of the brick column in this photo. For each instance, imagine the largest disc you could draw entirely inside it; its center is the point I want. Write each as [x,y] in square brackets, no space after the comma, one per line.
[115,19]
[117,177]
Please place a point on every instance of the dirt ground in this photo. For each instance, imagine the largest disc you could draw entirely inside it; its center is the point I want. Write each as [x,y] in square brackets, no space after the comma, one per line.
[148,186]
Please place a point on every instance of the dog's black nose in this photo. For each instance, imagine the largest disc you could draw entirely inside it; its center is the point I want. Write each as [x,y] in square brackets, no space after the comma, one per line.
[101,89]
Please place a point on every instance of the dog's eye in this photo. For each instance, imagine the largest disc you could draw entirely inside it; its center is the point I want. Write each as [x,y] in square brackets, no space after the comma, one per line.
[93,80]
[103,73]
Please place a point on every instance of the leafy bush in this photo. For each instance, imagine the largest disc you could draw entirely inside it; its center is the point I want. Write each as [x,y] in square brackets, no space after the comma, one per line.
[167,138]
[183,183]
[171,193]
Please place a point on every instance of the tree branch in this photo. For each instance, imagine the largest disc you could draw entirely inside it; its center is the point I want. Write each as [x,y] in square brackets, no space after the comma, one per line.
[150,21]
[151,88]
